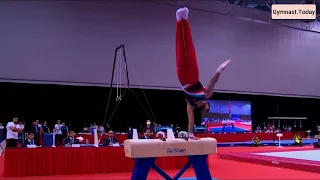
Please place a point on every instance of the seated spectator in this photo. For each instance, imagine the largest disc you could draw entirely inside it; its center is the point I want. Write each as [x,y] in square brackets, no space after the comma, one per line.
[256,141]
[71,140]
[148,126]
[110,140]
[34,129]
[258,129]
[147,134]
[30,140]
[297,140]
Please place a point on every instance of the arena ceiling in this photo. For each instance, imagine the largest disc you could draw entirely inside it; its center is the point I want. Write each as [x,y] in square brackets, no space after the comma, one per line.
[265,5]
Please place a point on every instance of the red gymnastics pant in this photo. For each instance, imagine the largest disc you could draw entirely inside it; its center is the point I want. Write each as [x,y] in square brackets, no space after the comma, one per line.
[186,60]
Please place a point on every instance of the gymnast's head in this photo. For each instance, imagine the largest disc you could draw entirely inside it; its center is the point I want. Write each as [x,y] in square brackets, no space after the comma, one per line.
[203,106]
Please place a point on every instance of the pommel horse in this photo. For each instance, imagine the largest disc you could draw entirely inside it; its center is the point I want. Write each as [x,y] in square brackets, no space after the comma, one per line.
[145,151]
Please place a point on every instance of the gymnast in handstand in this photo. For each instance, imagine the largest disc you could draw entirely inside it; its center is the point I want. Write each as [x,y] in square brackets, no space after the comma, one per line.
[188,71]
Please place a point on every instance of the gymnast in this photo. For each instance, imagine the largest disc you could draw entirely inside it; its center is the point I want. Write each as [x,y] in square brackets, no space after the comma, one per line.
[188,71]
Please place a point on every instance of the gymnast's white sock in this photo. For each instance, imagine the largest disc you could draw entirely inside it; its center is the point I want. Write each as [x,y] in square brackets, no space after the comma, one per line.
[182,13]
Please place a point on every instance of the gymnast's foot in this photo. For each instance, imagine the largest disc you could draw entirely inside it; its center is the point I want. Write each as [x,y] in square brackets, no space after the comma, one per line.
[182,13]
[223,66]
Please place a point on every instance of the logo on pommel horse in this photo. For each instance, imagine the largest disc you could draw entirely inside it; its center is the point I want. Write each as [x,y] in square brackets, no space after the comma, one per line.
[176,150]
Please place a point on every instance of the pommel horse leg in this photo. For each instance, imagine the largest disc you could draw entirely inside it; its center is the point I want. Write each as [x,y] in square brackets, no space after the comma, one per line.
[141,168]
[198,162]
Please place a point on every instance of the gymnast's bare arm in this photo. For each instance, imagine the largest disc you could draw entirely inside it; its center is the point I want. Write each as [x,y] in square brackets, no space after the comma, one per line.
[190,113]
[214,79]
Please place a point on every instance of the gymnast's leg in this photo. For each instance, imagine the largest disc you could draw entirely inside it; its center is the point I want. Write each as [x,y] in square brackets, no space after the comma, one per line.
[186,60]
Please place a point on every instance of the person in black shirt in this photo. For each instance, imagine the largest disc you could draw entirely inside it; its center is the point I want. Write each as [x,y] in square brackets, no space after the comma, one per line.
[35,130]
[147,134]
[45,128]
[130,133]
[64,130]
[71,140]
[30,140]
[110,140]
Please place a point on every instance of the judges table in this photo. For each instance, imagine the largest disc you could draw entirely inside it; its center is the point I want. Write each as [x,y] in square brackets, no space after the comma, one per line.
[81,160]
[241,137]
[220,137]
[48,140]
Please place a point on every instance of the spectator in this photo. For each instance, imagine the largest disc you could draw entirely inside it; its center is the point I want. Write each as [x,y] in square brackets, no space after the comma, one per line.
[58,133]
[130,133]
[265,126]
[95,126]
[71,140]
[101,129]
[91,129]
[38,124]
[12,133]
[35,130]
[64,130]
[146,134]
[318,128]
[148,126]
[21,134]
[30,140]
[45,128]
[110,140]
[86,129]
[38,134]
[258,129]
[155,127]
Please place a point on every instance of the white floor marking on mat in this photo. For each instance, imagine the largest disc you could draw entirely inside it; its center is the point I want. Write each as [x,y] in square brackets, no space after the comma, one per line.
[312,155]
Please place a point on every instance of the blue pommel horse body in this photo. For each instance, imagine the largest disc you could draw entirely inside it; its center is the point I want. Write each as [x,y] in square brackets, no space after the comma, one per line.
[145,151]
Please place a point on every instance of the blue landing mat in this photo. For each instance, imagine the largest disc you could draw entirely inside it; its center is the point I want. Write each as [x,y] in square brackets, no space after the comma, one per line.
[192,178]
[268,143]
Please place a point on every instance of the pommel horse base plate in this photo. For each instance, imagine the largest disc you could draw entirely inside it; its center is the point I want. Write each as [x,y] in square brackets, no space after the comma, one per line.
[198,162]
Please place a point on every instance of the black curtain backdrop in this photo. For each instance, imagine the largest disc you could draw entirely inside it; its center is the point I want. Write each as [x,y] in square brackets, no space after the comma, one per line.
[85,105]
